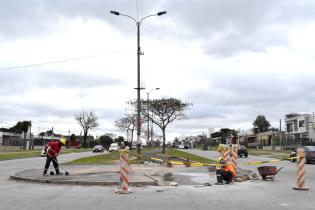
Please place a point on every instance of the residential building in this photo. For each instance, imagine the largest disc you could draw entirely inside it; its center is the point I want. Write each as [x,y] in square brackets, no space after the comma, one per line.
[299,128]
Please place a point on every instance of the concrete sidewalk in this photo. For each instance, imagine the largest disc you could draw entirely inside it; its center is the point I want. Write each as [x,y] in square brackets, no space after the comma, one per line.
[87,175]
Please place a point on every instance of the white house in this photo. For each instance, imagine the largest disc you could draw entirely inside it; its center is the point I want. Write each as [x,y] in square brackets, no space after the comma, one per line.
[300,127]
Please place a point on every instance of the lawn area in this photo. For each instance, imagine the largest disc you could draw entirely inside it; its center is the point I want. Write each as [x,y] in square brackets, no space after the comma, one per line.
[96,160]
[34,153]
[20,154]
[271,153]
[110,158]
[182,154]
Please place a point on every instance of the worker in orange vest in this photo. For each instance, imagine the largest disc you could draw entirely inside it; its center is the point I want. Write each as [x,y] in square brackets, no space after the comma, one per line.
[226,173]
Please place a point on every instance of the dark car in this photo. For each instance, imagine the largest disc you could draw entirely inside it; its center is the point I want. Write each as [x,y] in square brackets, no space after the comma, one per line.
[242,151]
[309,153]
[98,148]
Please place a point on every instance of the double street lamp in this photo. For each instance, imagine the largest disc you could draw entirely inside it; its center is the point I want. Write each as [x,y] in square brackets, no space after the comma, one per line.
[138,24]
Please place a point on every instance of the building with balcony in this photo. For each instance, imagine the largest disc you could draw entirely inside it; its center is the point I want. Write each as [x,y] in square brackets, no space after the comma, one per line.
[300,128]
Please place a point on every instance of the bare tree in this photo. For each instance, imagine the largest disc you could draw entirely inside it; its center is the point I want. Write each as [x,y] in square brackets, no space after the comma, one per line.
[127,124]
[87,121]
[165,111]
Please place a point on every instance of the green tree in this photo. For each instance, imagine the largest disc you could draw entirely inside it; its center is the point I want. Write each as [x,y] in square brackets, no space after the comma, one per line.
[261,124]
[106,141]
[87,121]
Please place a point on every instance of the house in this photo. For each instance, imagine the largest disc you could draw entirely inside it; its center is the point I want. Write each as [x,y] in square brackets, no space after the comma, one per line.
[300,129]
[263,140]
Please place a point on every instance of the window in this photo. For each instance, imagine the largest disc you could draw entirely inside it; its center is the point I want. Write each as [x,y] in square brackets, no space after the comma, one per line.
[302,123]
[289,127]
[295,126]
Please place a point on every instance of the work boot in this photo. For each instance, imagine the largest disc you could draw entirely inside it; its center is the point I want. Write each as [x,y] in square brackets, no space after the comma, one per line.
[45,172]
[58,173]
[219,180]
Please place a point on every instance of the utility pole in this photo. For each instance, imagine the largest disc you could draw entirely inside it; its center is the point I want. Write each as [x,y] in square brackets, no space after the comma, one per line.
[138,23]
[280,136]
[31,139]
[69,140]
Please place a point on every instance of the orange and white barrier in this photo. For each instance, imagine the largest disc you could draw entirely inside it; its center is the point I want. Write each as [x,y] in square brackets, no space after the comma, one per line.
[234,155]
[226,152]
[124,172]
[300,170]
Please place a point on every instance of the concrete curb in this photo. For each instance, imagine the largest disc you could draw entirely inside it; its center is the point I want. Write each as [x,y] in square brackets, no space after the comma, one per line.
[79,182]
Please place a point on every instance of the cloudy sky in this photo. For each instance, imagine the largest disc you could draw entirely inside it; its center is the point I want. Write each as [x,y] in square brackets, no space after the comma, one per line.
[233,59]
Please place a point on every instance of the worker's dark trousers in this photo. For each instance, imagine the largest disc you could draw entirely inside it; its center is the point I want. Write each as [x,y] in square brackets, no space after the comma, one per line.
[55,163]
[223,175]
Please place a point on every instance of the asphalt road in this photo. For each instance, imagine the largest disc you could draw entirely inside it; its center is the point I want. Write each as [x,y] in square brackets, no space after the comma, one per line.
[259,194]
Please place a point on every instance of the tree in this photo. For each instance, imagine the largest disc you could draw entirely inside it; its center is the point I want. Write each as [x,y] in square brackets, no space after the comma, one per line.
[20,127]
[106,141]
[261,124]
[87,121]
[127,124]
[164,111]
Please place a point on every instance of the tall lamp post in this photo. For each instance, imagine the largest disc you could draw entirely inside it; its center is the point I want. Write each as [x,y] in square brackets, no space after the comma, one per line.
[138,24]
[148,95]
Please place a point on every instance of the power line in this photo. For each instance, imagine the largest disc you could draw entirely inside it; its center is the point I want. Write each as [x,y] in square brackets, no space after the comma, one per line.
[62,61]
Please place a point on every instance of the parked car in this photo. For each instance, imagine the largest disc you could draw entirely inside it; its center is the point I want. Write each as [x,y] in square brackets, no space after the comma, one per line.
[113,147]
[242,151]
[98,148]
[309,153]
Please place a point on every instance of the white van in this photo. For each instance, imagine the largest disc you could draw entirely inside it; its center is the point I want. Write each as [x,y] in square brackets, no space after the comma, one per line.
[113,147]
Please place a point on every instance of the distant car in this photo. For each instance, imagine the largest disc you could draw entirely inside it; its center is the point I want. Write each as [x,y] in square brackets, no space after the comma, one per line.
[98,148]
[309,154]
[186,147]
[113,147]
[181,146]
[43,152]
[242,151]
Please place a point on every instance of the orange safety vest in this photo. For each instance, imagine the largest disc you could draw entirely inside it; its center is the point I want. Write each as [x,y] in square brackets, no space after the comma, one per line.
[231,169]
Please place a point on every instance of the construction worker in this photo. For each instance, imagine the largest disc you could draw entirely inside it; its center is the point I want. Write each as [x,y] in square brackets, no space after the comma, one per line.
[225,173]
[52,149]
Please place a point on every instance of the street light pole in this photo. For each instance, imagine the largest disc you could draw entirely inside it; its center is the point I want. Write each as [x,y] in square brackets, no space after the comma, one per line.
[148,121]
[138,23]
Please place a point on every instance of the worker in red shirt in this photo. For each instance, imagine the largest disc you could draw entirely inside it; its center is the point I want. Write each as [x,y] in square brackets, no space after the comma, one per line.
[52,150]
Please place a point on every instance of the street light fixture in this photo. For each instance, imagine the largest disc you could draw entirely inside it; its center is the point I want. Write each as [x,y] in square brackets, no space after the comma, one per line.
[138,23]
[148,121]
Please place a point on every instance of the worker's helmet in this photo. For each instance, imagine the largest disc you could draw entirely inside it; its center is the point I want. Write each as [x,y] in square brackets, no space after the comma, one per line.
[63,141]
[220,147]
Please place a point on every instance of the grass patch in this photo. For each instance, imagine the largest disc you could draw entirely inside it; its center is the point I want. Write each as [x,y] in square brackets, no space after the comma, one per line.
[182,154]
[279,154]
[96,160]
[34,153]
[20,154]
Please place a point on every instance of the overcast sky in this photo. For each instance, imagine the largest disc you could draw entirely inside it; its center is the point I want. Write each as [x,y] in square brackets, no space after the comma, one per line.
[233,59]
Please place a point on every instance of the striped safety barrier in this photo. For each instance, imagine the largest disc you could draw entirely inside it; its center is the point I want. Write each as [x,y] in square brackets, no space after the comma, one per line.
[300,170]
[124,172]
[234,155]
[226,154]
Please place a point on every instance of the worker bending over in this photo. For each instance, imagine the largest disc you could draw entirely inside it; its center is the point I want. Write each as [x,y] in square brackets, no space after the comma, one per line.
[225,173]
[52,150]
